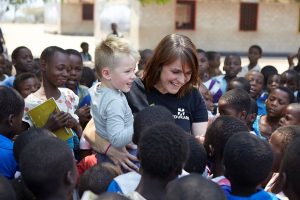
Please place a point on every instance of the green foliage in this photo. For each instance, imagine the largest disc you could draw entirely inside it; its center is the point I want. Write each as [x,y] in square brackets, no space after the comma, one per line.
[144,2]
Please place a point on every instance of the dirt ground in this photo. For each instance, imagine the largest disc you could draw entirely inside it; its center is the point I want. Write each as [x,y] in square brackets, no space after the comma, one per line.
[34,37]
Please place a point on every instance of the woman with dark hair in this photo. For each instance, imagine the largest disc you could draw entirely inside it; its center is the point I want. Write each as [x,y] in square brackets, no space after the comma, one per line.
[169,80]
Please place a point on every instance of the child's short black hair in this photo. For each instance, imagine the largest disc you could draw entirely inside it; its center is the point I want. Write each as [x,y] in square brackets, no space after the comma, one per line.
[96,179]
[248,160]
[148,117]
[48,53]
[88,77]
[15,53]
[45,165]
[11,102]
[267,72]
[197,158]
[74,52]
[288,91]
[244,83]
[20,78]
[238,99]
[290,166]
[194,186]
[162,150]
[289,133]
[28,136]
[219,132]
[256,47]
[6,189]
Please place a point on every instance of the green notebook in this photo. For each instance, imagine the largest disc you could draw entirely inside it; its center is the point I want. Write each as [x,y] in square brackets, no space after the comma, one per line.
[40,114]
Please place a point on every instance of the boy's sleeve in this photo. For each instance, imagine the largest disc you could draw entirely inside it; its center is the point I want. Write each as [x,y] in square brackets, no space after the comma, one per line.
[120,133]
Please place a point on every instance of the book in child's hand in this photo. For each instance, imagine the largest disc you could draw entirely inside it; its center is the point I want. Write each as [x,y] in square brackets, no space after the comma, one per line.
[40,114]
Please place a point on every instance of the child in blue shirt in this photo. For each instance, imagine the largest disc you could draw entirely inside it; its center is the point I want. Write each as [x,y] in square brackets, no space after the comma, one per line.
[12,109]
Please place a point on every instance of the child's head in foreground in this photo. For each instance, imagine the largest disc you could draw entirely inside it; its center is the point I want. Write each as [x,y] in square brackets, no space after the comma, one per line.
[55,66]
[290,170]
[6,189]
[148,117]
[247,160]
[28,136]
[97,178]
[48,168]
[280,139]
[218,134]
[166,160]
[195,187]
[291,115]
[235,102]
[115,63]
[26,83]
[12,109]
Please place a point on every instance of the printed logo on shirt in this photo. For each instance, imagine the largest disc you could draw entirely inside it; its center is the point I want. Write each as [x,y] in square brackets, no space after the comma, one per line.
[181,114]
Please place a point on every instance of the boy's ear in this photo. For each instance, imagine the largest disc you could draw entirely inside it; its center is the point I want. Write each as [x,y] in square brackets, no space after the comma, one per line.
[11,119]
[13,62]
[106,73]
[71,178]
[243,115]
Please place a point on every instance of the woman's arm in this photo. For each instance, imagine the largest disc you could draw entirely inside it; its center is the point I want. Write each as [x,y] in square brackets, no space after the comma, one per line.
[199,129]
[119,157]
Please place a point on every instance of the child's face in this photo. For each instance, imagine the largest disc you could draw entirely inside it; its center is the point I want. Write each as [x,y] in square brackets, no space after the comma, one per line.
[58,69]
[273,82]
[232,66]
[172,77]
[85,48]
[256,80]
[226,109]
[276,141]
[291,116]
[276,103]
[123,73]
[289,81]
[75,72]
[253,55]
[203,62]
[24,61]
[207,98]
[28,86]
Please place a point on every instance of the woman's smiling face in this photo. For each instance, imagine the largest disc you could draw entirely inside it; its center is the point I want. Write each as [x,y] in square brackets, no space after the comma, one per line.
[172,77]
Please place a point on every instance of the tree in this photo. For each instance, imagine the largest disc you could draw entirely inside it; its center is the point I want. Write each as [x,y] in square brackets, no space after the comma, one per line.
[144,2]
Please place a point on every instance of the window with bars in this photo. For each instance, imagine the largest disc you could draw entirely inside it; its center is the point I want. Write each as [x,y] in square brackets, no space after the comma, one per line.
[248,16]
[185,14]
[87,11]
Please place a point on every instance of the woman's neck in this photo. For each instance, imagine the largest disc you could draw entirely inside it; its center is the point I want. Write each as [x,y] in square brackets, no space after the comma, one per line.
[251,66]
[151,188]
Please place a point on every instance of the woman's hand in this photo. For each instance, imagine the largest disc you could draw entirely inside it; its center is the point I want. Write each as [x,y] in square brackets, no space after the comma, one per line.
[122,158]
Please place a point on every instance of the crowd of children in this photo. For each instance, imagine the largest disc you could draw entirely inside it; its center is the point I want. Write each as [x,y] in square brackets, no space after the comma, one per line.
[157,124]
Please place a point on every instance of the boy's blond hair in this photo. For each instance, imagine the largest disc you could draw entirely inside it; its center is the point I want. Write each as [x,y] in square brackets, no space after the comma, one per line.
[110,49]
